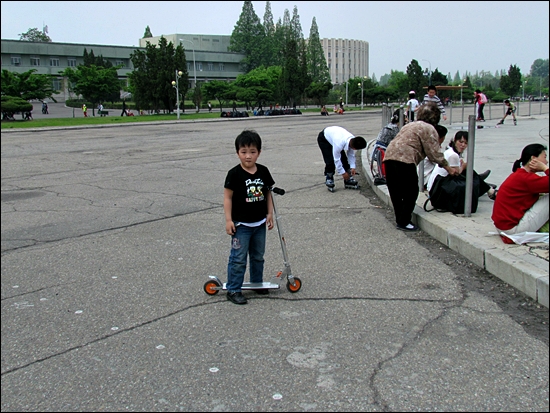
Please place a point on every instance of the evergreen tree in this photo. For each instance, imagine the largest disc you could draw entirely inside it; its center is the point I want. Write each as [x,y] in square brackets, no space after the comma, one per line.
[270,49]
[248,37]
[510,84]
[147,33]
[317,63]
[291,81]
[416,77]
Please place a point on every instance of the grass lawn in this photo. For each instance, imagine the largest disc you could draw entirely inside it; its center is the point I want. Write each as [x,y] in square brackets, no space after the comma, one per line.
[109,120]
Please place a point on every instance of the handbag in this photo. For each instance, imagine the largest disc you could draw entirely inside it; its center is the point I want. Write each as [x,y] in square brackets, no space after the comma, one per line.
[448,194]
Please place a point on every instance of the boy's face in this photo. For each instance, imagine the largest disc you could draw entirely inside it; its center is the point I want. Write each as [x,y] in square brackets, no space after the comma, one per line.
[248,156]
[431,93]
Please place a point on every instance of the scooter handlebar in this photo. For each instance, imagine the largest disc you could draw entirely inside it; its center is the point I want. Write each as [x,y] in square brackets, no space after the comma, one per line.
[278,191]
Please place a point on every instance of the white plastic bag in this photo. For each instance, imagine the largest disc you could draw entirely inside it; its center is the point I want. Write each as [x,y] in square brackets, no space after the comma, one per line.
[525,237]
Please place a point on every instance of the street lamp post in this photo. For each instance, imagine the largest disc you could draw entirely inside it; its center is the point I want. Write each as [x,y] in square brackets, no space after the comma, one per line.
[361,86]
[461,87]
[194,66]
[176,85]
[430,72]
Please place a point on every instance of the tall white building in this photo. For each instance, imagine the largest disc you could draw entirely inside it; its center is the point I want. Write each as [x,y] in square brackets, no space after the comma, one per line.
[346,59]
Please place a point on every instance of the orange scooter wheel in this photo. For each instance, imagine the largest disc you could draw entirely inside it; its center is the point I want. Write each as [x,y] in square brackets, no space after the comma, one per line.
[296,287]
[210,287]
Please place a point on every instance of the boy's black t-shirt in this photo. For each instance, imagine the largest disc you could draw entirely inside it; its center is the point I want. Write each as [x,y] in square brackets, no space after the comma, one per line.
[249,193]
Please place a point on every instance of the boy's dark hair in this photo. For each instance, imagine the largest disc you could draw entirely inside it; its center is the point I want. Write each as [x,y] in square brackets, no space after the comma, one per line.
[478,91]
[441,131]
[506,101]
[535,149]
[432,87]
[248,138]
[358,143]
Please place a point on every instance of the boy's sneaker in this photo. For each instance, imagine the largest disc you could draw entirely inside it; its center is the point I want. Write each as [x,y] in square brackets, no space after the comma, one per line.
[515,123]
[501,122]
[237,297]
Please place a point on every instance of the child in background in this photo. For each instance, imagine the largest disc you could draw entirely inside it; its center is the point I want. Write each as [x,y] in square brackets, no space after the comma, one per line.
[510,111]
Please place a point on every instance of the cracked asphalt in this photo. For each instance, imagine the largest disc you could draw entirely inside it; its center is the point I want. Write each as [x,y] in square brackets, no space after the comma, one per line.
[108,235]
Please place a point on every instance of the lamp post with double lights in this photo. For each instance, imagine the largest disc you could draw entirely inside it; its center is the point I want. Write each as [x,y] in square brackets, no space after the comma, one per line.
[176,85]
[194,66]
[361,86]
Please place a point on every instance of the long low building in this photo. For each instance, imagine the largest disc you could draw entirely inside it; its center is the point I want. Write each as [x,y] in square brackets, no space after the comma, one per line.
[203,63]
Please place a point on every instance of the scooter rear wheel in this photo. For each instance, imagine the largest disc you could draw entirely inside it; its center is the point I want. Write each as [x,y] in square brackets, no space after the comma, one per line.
[296,287]
[210,287]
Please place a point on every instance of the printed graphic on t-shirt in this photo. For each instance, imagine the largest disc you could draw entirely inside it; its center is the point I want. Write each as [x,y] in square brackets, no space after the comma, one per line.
[254,190]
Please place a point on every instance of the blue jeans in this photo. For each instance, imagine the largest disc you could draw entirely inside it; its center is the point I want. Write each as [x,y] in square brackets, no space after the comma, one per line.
[247,241]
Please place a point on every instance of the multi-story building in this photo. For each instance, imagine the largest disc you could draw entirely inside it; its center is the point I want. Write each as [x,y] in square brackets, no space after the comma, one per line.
[207,58]
[346,59]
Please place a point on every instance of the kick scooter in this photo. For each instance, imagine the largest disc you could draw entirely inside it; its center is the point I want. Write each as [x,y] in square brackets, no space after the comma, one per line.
[293,284]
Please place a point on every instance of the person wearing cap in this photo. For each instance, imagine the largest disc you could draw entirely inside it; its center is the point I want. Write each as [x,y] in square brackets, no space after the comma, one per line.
[338,147]
[412,104]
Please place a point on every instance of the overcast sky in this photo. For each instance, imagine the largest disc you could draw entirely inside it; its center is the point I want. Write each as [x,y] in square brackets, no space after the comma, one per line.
[450,36]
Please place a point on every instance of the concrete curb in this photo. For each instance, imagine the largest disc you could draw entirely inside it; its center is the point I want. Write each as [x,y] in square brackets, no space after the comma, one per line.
[519,269]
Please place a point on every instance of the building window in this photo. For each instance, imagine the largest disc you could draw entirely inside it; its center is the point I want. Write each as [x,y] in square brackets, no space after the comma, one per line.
[35,61]
[215,40]
[329,55]
[210,66]
[199,66]
[119,63]
[16,61]
[71,62]
[221,67]
[54,61]
[189,67]
[56,84]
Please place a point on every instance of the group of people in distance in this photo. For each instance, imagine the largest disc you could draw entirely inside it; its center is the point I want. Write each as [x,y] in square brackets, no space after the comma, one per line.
[521,204]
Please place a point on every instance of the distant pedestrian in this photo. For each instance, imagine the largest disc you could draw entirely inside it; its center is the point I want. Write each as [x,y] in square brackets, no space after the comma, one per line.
[85,110]
[411,105]
[45,108]
[481,100]
[234,106]
[209,107]
[124,112]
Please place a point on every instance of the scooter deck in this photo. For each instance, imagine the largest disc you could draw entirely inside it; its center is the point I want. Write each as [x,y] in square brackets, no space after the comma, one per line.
[255,286]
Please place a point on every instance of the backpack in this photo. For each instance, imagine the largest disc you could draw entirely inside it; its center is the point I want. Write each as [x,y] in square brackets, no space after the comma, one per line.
[448,193]
[483,98]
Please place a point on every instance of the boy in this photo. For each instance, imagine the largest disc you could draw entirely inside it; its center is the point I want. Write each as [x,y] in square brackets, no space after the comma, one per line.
[511,111]
[431,97]
[338,148]
[248,210]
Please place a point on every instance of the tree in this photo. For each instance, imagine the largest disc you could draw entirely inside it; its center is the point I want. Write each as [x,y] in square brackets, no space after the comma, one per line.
[95,84]
[154,70]
[35,35]
[416,77]
[27,85]
[247,38]
[510,84]
[219,90]
[316,62]
[13,104]
[539,68]
[147,33]
[291,81]
[90,59]
[269,46]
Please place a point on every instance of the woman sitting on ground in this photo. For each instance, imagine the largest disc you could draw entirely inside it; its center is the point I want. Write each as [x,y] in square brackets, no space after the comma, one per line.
[454,155]
[324,111]
[520,206]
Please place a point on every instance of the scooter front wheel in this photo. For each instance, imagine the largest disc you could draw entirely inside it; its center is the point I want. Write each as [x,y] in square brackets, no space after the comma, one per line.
[296,287]
[210,287]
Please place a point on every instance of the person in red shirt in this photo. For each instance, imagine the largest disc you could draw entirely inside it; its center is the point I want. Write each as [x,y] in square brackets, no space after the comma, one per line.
[520,205]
